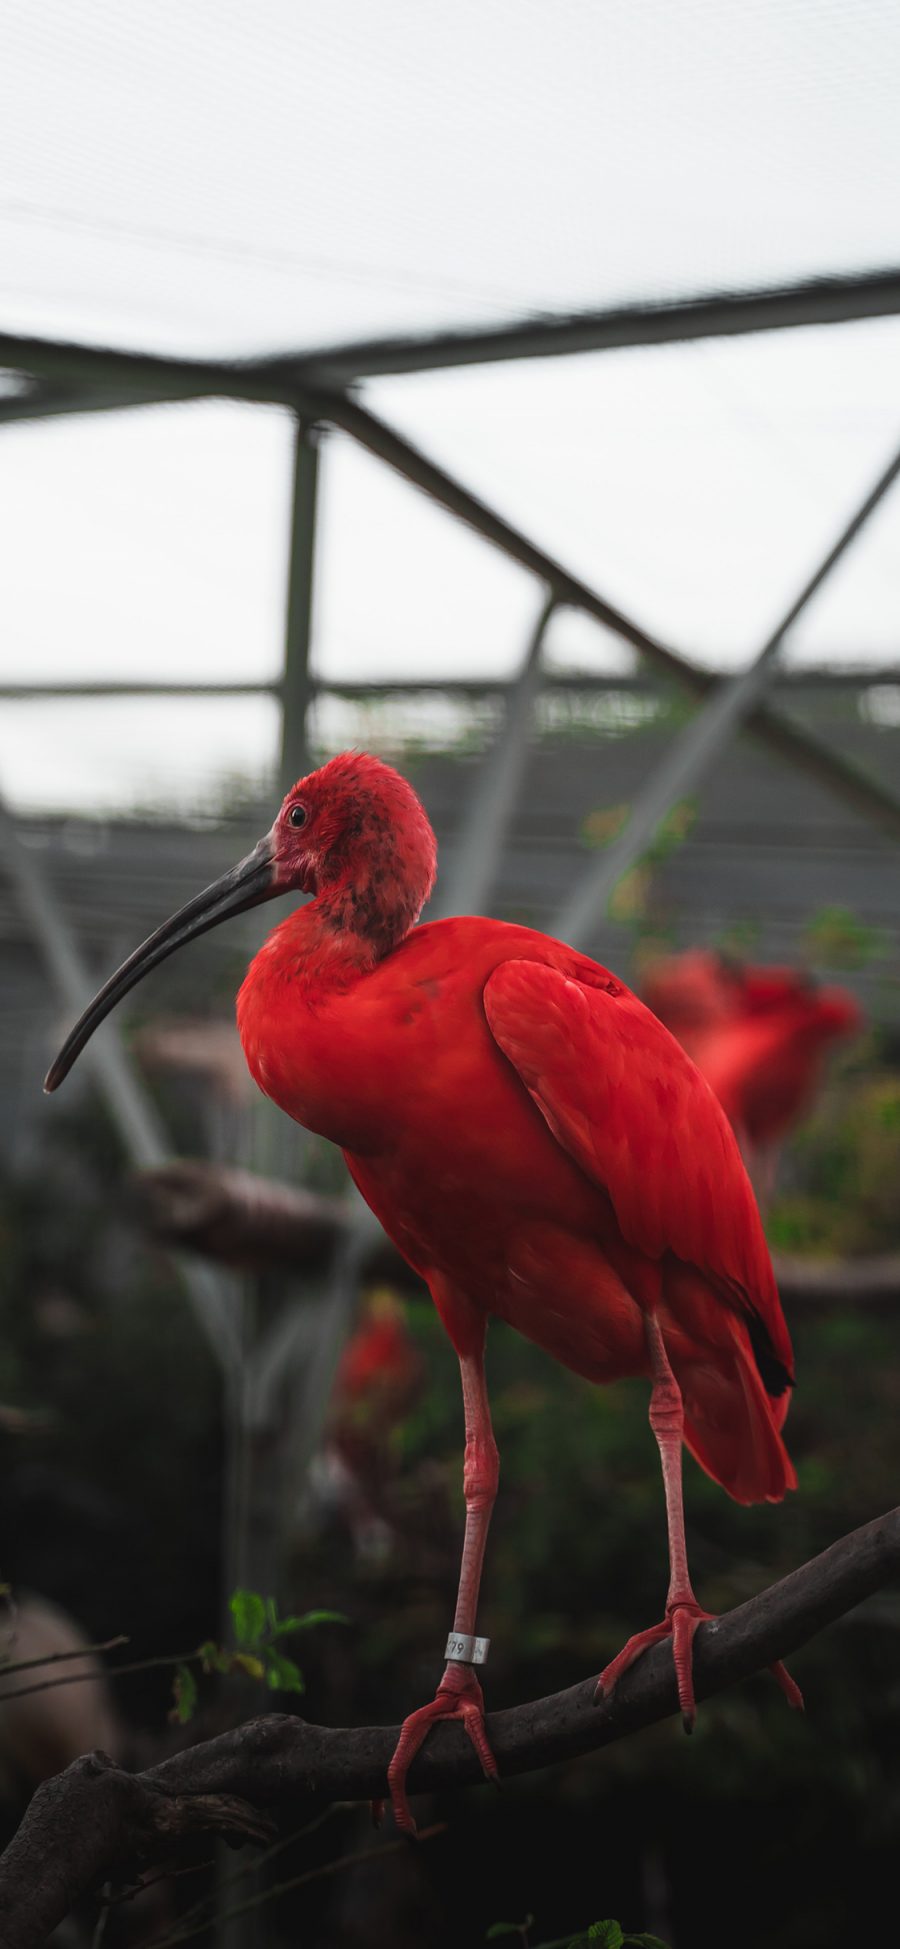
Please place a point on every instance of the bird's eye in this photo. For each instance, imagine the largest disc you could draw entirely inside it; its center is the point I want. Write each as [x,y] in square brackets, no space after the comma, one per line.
[298,815]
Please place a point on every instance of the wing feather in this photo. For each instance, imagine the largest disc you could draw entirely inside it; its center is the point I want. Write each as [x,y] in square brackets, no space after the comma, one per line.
[622,1098]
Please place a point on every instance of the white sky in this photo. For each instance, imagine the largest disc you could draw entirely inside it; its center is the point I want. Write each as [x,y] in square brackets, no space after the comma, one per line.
[226,177]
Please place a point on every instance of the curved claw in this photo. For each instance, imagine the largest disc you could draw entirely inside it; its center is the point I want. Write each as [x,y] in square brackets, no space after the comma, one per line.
[641,1641]
[459,1696]
[680,1624]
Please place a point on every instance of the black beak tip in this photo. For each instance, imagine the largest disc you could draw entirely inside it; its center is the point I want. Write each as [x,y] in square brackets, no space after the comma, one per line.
[56,1074]
[249,883]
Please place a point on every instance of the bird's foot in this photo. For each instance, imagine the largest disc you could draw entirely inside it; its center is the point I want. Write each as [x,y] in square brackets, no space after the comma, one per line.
[680,1624]
[459,1696]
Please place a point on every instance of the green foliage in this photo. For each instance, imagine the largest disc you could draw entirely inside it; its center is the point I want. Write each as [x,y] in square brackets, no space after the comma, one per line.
[184,1691]
[630,896]
[602,827]
[673,829]
[607,1935]
[244,1661]
[282,1675]
[308,1621]
[837,939]
[843,1199]
[248,1615]
[741,937]
[256,1654]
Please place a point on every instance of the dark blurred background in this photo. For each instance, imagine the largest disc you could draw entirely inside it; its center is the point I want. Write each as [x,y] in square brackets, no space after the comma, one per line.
[628,278]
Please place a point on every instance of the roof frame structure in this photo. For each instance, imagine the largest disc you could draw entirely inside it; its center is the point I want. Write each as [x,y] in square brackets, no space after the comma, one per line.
[106,379]
[817,301]
[691,753]
[61,379]
[716,314]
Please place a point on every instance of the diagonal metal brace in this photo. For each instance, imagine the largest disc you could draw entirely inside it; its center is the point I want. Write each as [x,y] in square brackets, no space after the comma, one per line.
[703,740]
[133,1114]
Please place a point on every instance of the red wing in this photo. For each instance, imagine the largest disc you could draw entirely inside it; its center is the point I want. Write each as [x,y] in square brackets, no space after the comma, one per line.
[621,1096]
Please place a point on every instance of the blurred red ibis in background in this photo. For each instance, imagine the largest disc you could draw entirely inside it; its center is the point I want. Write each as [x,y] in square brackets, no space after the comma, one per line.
[380,1372]
[759,1034]
[380,1378]
[537,1145]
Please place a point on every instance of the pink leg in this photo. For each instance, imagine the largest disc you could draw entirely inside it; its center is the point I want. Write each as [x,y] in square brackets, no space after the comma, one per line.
[683,1613]
[459,1695]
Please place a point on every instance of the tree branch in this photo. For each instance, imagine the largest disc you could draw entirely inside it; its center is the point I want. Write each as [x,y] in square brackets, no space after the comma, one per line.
[8,1668]
[870,1281]
[94,1819]
[257,1223]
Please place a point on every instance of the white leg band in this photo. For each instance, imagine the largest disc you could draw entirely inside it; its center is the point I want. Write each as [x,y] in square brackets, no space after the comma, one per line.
[464,1650]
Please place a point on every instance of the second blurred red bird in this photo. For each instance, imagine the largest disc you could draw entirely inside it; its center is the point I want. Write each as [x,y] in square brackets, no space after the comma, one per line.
[760,1035]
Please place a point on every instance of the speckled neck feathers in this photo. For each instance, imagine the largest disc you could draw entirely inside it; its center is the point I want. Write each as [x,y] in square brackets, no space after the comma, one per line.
[377,863]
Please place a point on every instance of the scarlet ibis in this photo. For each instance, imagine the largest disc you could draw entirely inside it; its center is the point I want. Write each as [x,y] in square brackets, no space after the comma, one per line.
[537,1145]
[760,1035]
[379,1378]
[379,1374]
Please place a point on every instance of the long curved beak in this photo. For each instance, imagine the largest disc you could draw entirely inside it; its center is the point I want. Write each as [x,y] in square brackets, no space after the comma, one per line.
[248,884]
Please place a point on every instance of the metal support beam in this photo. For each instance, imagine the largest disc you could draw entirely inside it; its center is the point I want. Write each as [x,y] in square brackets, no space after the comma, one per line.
[493,802]
[414,466]
[105,376]
[60,402]
[591,683]
[22,693]
[807,753]
[818,301]
[72,365]
[69,368]
[336,1314]
[135,1119]
[296,684]
[704,740]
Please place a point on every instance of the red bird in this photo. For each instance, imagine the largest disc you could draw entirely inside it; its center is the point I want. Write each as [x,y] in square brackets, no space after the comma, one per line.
[536,1144]
[759,1034]
[380,1371]
[379,1379]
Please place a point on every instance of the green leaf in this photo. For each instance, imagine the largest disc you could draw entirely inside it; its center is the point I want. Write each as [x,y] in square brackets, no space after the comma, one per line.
[248,1613]
[282,1675]
[839,940]
[608,1934]
[247,1661]
[213,1658]
[307,1622]
[497,1929]
[184,1693]
[645,1942]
